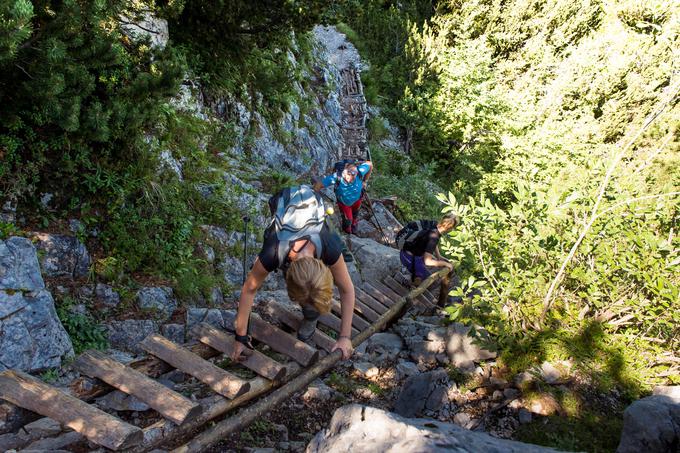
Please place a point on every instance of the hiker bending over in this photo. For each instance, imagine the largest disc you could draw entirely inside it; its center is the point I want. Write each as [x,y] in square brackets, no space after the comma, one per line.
[300,243]
[349,179]
[419,245]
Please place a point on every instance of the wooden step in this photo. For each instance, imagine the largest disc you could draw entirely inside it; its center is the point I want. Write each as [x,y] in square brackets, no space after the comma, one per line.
[403,291]
[222,382]
[357,322]
[167,402]
[282,342]
[292,319]
[224,342]
[381,292]
[364,310]
[427,294]
[334,323]
[370,301]
[395,286]
[101,428]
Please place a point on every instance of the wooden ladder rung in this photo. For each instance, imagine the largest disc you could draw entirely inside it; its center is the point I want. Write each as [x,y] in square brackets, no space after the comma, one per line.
[101,428]
[224,342]
[357,322]
[370,301]
[282,342]
[292,319]
[386,296]
[364,310]
[399,288]
[222,382]
[395,286]
[426,294]
[332,321]
[167,402]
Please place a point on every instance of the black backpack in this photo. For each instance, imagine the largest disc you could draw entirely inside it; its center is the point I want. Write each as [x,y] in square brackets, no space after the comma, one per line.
[411,232]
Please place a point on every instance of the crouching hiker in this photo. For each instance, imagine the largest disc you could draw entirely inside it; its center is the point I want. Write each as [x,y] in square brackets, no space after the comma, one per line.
[419,245]
[349,179]
[300,243]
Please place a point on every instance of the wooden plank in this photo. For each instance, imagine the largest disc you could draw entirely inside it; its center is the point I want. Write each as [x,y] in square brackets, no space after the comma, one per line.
[101,428]
[222,382]
[359,323]
[370,301]
[426,294]
[282,342]
[386,292]
[293,319]
[395,286]
[224,342]
[332,321]
[167,402]
[365,311]
[399,288]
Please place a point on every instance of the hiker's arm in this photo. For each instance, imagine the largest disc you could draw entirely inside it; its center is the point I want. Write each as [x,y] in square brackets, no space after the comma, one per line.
[370,170]
[346,290]
[253,282]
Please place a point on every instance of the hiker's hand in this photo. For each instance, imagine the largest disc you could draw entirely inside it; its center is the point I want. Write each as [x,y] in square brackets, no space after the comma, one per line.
[240,352]
[345,345]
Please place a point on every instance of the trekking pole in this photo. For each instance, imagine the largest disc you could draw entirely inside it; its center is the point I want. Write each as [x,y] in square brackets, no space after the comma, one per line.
[377,222]
[246,219]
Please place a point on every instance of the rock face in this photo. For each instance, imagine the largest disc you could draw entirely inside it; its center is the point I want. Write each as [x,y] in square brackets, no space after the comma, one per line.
[361,428]
[31,335]
[62,256]
[422,391]
[126,334]
[652,424]
[158,299]
[375,261]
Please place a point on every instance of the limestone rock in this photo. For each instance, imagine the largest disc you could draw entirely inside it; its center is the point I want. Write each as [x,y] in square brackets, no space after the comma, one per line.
[652,424]
[158,299]
[147,26]
[366,369]
[127,334]
[106,295]
[375,261]
[19,268]
[355,428]
[173,332]
[213,316]
[461,348]
[31,336]
[417,390]
[62,256]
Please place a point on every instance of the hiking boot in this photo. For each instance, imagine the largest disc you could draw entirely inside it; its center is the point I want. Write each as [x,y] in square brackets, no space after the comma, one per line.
[308,325]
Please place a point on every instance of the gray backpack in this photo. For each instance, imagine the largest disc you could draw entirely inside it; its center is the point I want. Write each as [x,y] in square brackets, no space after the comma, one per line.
[298,212]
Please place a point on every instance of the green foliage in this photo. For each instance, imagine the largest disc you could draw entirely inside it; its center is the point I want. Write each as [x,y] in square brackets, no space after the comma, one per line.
[521,106]
[7,230]
[50,376]
[84,331]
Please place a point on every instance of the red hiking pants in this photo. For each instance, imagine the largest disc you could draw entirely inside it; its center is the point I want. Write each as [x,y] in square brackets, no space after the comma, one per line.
[349,214]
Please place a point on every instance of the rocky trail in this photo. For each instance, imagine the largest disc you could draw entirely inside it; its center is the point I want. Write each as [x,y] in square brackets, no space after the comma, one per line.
[415,381]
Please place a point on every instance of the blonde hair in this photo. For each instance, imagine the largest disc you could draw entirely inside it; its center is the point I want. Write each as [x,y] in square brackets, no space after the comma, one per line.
[310,282]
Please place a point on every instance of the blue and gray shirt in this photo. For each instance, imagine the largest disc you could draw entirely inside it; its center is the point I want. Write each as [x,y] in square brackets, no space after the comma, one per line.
[348,193]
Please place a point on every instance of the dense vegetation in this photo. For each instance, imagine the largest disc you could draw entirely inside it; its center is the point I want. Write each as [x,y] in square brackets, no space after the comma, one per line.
[87,116]
[553,125]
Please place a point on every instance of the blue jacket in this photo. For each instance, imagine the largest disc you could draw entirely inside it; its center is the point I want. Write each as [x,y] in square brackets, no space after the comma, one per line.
[348,193]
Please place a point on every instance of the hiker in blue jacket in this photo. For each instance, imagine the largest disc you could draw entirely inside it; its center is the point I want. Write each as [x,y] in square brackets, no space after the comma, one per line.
[349,180]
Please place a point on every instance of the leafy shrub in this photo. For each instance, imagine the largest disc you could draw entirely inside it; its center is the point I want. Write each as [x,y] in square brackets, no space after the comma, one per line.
[84,331]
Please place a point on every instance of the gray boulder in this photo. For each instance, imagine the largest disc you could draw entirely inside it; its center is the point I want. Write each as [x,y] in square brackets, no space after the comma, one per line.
[375,261]
[652,424]
[158,299]
[146,26]
[19,269]
[355,428]
[462,349]
[32,337]
[106,295]
[422,391]
[213,316]
[127,334]
[381,217]
[62,256]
